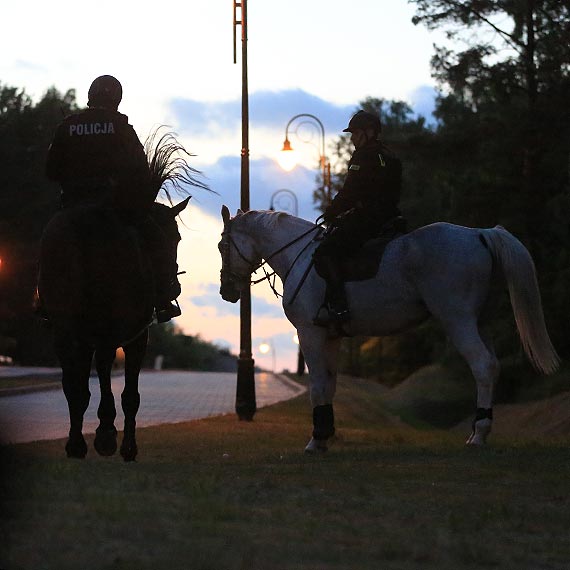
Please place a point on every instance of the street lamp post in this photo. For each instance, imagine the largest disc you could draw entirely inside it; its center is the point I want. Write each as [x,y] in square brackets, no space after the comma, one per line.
[324,164]
[277,199]
[245,387]
[269,346]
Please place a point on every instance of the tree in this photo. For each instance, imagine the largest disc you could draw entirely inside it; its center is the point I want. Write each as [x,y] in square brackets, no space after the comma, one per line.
[513,76]
[27,202]
[410,139]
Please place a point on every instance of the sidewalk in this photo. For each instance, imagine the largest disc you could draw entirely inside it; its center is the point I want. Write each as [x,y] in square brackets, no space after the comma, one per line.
[166,397]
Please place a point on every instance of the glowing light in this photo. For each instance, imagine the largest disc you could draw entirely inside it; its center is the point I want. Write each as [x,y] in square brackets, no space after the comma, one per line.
[287,159]
[264,348]
[296,338]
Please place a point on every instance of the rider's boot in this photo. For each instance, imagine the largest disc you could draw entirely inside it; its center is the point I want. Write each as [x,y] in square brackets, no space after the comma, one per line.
[167,307]
[335,310]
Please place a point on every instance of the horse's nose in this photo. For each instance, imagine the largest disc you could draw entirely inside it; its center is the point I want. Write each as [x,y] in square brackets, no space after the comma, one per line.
[230,294]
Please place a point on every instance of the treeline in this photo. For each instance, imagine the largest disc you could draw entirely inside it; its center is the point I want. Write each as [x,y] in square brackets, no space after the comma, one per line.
[499,153]
[27,202]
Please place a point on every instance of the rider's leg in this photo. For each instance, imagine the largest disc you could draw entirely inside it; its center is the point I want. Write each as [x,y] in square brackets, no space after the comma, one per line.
[336,294]
[327,263]
[164,267]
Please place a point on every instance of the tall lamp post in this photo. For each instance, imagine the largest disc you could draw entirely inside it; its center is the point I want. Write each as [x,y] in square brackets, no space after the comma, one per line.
[245,387]
[287,163]
[324,164]
[280,198]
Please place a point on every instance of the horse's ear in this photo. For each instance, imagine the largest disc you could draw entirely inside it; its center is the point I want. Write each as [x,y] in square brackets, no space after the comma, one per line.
[225,214]
[239,211]
[180,206]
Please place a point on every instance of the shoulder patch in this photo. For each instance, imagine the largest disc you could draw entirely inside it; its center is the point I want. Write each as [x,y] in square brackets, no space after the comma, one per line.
[354,167]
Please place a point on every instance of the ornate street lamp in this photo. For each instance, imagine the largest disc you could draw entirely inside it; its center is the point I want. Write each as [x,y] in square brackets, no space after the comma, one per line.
[282,199]
[268,347]
[287,159]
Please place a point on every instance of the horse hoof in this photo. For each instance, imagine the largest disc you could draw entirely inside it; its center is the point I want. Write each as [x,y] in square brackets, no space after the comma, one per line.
[316,446]
[76,448]
[480,433]
[105,441]
[476,440]
[129,451]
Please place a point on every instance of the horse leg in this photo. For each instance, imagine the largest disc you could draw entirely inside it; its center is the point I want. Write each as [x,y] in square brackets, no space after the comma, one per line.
[75,359]
[321,358]
[130,398]
[485,368]
[106,434]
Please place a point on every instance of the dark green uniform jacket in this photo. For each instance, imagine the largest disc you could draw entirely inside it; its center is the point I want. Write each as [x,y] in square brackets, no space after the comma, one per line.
[372,187]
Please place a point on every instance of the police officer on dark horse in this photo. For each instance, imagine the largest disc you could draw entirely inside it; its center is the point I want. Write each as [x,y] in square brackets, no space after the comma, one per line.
[97,158]
[359,212]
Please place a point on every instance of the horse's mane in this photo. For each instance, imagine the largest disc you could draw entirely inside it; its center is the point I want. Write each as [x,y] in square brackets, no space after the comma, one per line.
[271,221]
[169,169]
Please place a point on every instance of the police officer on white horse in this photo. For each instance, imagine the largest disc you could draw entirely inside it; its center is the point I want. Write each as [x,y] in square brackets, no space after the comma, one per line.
[97,157]
[367,201]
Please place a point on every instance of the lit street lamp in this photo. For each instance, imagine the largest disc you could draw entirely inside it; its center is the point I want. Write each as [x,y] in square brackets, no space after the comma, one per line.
[287,159]
[267,347]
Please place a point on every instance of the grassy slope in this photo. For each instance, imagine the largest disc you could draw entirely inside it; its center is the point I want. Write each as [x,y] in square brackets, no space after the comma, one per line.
[221,494]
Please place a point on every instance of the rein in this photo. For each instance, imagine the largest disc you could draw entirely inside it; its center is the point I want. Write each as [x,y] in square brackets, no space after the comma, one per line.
[268,275]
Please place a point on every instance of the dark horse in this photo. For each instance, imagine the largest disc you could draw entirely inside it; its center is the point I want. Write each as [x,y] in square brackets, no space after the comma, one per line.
[96,286]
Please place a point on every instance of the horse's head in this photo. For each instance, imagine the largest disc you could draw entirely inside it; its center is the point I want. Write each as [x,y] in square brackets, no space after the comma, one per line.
[239,258]
[165,217]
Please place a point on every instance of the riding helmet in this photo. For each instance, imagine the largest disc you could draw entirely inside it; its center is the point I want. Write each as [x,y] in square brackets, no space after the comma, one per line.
[105,91]
[364,120]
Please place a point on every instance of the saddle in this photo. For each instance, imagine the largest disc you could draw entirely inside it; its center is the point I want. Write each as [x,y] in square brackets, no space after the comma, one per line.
[364,263]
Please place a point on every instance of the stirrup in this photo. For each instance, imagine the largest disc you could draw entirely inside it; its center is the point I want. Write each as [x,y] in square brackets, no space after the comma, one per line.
[327,316]
[167,312]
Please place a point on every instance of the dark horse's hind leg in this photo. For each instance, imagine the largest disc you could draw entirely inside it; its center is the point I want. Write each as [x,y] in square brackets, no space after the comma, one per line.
[75,359]
[106,434]
[130,398]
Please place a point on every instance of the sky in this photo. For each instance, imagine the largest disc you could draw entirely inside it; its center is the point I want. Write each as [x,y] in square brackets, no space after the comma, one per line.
[175,62]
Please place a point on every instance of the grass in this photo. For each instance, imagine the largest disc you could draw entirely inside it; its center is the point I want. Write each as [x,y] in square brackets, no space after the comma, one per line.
[221,494]
[30,381]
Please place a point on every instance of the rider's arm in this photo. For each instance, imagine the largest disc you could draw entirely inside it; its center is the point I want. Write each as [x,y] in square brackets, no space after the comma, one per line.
[139,173]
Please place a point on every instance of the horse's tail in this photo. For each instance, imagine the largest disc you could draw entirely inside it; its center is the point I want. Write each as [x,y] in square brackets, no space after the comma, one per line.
[167,161]
[520,274]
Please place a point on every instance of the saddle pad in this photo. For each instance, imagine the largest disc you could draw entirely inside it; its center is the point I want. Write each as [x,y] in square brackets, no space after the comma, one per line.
[364,263]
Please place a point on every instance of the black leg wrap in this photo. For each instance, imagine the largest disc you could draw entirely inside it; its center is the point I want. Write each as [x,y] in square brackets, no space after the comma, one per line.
[482,414]
[323,421]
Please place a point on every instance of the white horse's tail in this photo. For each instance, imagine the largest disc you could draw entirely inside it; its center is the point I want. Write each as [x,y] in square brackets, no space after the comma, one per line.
[520,274]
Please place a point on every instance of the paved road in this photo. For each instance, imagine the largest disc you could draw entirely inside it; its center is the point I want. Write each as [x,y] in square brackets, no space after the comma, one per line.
[166,397]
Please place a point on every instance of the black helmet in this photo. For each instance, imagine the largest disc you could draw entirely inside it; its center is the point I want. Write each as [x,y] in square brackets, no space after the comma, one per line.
[105,91]
[364,120]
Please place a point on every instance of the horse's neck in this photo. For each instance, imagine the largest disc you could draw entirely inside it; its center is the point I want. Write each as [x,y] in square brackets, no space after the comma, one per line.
[273,242]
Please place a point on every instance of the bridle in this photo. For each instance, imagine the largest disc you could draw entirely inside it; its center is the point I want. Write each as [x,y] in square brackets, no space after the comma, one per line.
[225,250]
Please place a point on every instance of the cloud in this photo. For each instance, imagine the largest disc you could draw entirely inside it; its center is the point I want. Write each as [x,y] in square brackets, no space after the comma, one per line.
[266,178]
[269,109]
[211,298]
[422,101]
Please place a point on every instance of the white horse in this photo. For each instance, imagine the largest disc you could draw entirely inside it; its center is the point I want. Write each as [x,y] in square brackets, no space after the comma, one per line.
[442,270]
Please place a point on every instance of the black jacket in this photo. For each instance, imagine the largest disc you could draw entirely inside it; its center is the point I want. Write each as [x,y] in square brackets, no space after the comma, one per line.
[372,185]
[98,147]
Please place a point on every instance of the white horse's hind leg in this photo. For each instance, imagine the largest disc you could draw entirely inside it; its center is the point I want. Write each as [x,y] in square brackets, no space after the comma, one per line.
[485,368]
[321,357]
